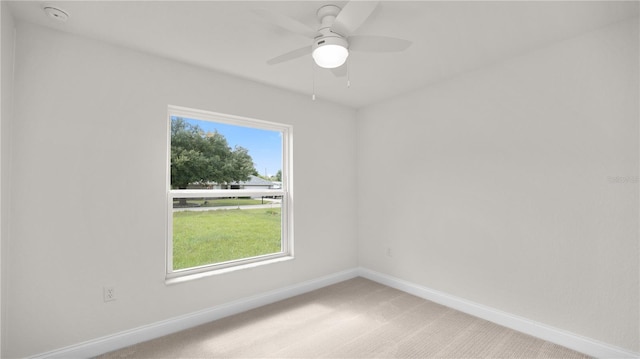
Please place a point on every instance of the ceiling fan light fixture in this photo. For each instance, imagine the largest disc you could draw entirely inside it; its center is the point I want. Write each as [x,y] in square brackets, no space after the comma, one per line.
[330,52]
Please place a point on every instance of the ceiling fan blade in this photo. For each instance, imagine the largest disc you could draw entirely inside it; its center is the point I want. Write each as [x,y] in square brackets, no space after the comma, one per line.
[352,16]
[290,55]
[370,43]
[286,23]
[340,71]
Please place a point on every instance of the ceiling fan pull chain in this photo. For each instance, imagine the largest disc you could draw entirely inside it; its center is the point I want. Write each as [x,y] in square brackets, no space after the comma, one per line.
[313,81]
[348,74]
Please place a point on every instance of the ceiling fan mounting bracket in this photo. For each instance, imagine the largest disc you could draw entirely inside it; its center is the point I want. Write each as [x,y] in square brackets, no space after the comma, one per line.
[327,10]
[327,16]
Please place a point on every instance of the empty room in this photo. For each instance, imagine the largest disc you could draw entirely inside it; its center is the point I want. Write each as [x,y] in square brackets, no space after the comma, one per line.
[304,179]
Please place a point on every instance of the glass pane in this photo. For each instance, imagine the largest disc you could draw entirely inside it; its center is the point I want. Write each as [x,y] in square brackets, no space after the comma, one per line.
[215,230]
[213,155]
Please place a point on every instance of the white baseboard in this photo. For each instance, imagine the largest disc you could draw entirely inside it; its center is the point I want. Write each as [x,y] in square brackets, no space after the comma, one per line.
[155,330]
[126,338]
[567,339]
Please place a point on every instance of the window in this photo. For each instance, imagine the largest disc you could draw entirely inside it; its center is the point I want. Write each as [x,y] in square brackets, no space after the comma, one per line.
[222,211]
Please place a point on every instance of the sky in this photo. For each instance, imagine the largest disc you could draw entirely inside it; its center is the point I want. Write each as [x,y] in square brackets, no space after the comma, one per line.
[265,146]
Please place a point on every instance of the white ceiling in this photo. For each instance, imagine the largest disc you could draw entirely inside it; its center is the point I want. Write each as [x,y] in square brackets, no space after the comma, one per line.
[449,37]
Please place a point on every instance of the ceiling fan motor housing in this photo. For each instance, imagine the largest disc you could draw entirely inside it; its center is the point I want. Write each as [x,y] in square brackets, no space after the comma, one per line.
[330,40]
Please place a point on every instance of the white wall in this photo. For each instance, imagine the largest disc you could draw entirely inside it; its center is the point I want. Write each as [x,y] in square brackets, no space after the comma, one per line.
[6,104]
[503,186]
[88,204]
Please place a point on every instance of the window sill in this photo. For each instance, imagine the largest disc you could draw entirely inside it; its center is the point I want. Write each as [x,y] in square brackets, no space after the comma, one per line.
[213,272]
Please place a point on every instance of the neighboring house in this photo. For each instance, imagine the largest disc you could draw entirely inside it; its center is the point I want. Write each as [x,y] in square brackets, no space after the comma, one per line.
[254,182]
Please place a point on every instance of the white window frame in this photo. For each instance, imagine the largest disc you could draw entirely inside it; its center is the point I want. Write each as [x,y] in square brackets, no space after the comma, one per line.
[285,193]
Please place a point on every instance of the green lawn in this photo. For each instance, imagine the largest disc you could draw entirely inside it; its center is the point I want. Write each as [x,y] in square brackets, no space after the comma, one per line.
[207,237]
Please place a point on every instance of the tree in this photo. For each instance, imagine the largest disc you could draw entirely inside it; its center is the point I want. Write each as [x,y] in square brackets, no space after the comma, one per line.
[199,157]
[278,176]
[240,164]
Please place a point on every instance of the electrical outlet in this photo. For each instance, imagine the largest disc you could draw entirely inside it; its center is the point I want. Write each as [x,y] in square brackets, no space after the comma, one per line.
[109,293]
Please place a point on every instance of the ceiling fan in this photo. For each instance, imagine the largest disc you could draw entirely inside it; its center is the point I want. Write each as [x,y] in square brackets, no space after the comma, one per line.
[334,39]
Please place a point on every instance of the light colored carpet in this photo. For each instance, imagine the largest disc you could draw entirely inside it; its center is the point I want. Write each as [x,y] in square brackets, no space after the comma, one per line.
[357,318]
